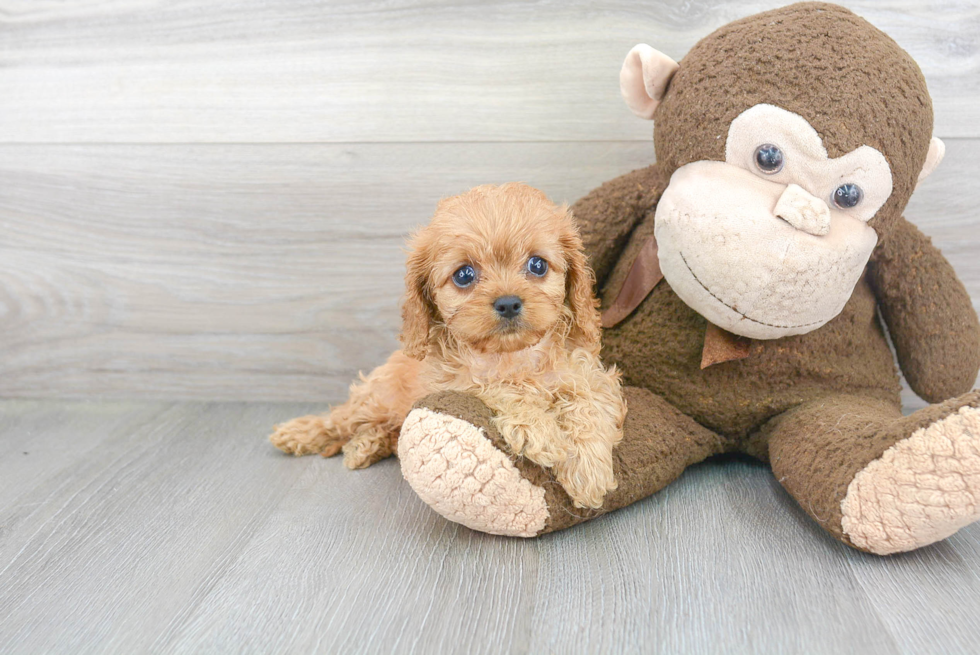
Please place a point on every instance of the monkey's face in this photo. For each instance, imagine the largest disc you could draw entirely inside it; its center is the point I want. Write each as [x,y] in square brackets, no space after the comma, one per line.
[770,242]
[791,137]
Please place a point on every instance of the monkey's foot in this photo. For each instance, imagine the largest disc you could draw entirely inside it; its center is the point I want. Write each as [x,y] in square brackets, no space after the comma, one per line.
[462,475]
[921,490]
[458,463]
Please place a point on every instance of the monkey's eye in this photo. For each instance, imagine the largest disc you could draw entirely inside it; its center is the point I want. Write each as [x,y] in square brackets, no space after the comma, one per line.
[537,266]
[464,276]
[848,195]
[769,158]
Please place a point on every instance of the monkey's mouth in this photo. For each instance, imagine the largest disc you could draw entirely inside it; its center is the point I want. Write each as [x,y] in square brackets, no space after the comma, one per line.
[747,318]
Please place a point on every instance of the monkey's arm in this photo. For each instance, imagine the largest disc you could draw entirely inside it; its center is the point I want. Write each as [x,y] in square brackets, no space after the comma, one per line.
[608,214]
[928,312]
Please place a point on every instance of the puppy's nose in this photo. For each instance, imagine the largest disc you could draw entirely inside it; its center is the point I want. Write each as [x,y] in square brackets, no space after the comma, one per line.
[508,306]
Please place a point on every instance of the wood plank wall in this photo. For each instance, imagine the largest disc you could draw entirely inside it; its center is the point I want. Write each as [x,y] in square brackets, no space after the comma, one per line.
[208,200]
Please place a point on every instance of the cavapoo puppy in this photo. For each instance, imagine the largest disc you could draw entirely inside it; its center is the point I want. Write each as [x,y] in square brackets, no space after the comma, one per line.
[498,304]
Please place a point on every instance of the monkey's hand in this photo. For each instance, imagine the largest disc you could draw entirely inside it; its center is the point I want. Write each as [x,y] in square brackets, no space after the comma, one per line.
[928,312]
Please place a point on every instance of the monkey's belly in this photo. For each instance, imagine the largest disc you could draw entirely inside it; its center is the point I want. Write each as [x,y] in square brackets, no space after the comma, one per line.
[659,348]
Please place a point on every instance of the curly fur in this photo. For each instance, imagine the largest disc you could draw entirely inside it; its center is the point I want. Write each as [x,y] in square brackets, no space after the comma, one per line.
[553,401]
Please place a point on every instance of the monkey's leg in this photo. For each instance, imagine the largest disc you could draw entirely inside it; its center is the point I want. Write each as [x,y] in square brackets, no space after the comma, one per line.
[876,480]
[457,463]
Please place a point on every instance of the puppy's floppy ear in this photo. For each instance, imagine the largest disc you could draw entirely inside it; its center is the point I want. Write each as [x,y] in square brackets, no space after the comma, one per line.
[418,312]
[579,283]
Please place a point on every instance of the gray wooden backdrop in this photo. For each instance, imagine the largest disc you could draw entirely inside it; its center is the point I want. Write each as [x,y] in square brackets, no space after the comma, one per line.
[208,200]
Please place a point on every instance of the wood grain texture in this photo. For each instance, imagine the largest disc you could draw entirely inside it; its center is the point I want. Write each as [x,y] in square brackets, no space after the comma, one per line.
[405,70]
[271,272]
[177,528]
[234,272]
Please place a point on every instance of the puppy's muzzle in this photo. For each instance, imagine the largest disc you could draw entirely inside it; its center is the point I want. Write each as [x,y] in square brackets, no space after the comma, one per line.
[508,307]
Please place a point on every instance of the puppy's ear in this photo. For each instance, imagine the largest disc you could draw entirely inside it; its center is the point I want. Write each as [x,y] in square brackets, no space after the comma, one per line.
[418,312]
[579,283]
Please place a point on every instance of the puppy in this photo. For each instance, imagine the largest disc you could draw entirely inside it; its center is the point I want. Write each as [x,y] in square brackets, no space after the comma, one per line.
[498,304]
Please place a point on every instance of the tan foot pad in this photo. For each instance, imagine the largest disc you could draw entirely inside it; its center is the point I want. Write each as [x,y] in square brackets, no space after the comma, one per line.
[462,476]
[921,490]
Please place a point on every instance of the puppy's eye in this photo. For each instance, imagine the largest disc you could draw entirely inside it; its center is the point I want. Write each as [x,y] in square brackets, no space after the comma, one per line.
[848,195]
[537,266]
[769,158]
[464,276]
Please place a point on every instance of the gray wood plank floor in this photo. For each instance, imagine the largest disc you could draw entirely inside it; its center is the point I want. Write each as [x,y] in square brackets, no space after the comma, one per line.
[130,527]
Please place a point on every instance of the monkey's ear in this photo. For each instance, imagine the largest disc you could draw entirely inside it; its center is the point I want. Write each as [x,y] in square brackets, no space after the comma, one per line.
[644,78]
[937,150]
[417,309]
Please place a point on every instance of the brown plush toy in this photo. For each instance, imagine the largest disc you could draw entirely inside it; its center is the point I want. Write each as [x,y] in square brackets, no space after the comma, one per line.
[747,279]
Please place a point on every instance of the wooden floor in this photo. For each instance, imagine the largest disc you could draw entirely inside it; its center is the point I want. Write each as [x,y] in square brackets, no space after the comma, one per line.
[132,527]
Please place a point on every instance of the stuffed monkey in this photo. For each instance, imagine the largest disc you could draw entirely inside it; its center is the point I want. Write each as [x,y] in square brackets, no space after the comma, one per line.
[747,282]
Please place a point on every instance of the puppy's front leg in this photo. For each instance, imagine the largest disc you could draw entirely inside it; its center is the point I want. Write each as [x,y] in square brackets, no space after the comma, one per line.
[308,435]
[592,422]
[527,426]
[367,425]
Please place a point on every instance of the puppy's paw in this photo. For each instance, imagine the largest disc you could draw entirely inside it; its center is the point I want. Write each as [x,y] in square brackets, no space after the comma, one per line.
[538,439]
[307,435]
[587,478]
[368,446]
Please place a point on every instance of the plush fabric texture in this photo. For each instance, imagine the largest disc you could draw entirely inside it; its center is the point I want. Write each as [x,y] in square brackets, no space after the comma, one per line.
[822,407]
[458,472]
[937,150]
[721,346]
[805,160]
[821,61]
[817,451]
[644,275]
[817,448]
[622,202]
[644,78]
[661,444]
[797,208]
[824,404]
[732,260]
[660,346]
[771,58]
[775,402]
[920,490]
[928,312]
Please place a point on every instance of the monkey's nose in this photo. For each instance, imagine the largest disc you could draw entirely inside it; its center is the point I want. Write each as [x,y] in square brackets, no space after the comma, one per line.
[803,211]
[507,306]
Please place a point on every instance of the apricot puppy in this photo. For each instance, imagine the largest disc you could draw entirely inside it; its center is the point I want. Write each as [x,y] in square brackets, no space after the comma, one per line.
[498,304]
